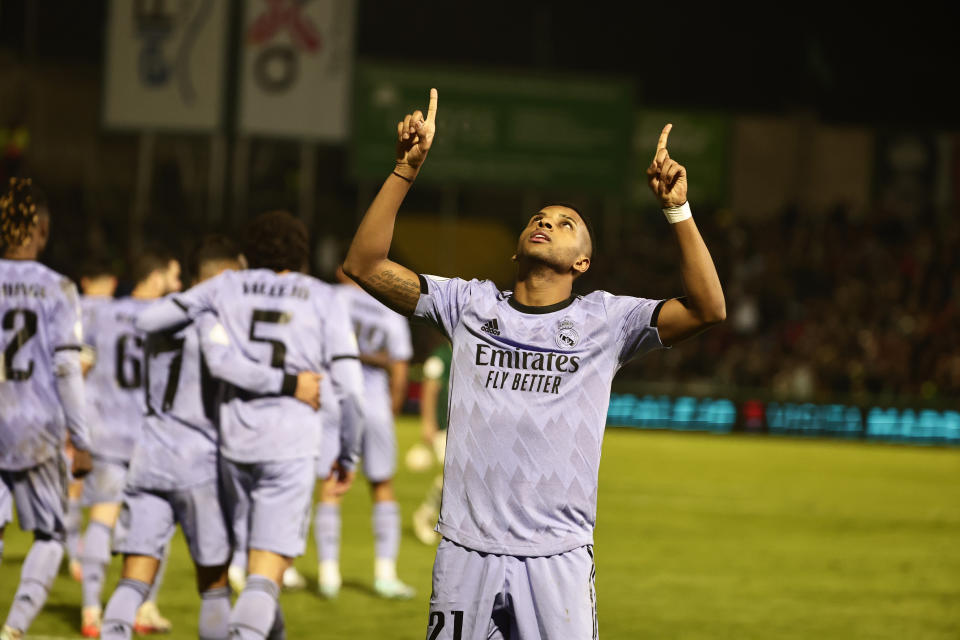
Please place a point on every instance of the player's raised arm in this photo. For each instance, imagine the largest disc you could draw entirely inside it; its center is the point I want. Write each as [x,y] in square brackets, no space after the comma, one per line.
[392,284]
[704,304]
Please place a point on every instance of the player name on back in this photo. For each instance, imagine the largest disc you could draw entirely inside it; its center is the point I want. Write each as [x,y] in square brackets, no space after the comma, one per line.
[22,290]
[275,290]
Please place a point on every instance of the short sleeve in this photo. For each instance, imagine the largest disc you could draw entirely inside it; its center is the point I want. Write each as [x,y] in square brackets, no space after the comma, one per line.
[635,323]
[441,302]
[67,326]
[399,344]
[338,336]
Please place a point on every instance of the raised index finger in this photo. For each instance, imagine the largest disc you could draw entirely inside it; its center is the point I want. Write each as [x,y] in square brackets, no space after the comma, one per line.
[662,142]
[432,109]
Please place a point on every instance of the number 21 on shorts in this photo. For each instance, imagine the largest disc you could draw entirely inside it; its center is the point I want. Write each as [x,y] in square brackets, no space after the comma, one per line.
[438,622]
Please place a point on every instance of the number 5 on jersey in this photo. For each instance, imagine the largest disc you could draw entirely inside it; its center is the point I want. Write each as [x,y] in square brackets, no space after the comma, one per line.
[274,317]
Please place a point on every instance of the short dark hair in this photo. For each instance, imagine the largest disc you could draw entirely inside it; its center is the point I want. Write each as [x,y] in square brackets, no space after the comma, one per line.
[213,246]
[94,266]
[20,207]
[278,241]
[148,261]
[587,222]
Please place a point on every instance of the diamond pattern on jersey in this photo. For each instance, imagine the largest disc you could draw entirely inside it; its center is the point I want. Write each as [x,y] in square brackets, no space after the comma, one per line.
[522,462]
[39,311]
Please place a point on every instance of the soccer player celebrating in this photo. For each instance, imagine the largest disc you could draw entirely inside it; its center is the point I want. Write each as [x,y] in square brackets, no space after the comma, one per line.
[385,349]
[529,390]
[118,407]
[173,474]
[41,391]
[281,317]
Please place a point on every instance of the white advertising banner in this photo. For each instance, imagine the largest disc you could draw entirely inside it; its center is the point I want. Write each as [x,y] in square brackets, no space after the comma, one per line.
[296,68]
[164,67]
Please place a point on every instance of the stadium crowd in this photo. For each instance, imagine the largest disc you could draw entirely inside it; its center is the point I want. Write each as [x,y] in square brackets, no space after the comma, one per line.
[819,307]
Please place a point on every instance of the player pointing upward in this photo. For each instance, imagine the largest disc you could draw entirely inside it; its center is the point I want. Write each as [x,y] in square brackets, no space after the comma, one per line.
[530,385]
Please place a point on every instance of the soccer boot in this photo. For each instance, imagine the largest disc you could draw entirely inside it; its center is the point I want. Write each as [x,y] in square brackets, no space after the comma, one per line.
[424,518]
[237,576]
[150,621]
[293,579]
[328,579]
[90,619]
[393,589]
[9,633]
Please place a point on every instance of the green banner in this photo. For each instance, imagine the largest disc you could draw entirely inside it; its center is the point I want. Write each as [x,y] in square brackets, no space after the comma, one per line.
[499,128]
[700,141]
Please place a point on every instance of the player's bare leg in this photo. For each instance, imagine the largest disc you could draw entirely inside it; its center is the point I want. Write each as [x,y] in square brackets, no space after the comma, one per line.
[74,521]
[386,531]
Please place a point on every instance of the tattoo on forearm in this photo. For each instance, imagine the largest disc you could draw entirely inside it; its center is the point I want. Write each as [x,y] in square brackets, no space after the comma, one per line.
[399,293]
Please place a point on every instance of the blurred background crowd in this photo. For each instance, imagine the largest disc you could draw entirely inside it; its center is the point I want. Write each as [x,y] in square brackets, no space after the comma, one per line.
[827,194]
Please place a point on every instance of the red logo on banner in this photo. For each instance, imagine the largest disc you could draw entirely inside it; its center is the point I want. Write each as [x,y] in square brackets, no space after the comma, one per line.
[285,15]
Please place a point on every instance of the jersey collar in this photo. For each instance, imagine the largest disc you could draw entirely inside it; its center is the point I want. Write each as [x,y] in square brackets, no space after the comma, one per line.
[550,308]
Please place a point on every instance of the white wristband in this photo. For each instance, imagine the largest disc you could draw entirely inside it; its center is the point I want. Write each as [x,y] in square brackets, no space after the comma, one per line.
[676,214]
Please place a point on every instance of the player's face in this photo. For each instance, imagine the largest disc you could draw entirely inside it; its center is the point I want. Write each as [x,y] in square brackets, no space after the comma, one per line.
[557,236]
[171,278]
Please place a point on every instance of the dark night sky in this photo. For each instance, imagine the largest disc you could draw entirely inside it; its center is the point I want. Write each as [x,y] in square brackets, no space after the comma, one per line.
[896,68]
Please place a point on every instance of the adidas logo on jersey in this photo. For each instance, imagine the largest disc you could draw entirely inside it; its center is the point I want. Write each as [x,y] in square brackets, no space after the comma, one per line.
[491,327]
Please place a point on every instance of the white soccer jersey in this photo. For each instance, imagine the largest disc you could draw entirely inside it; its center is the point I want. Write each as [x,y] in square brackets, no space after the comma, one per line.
[529,390]
[378,330]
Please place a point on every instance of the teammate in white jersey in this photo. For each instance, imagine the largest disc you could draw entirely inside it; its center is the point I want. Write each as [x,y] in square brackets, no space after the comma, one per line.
[97,285]
[281,317]
[41,392]
[383,338]
[116,408]
[529,391]
[173,476]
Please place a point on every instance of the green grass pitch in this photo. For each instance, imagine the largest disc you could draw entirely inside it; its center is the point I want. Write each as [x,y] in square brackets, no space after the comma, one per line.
[698,536]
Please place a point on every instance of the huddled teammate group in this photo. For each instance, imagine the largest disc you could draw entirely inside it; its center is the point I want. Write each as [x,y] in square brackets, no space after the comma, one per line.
[217,407]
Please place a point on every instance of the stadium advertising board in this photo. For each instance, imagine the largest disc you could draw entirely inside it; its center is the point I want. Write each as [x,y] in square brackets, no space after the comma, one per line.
[500,128]
[296,66]
[699,139]
[164,65]
[721,415]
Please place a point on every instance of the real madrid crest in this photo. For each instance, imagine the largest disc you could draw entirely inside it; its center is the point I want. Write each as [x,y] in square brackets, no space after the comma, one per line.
[567,336]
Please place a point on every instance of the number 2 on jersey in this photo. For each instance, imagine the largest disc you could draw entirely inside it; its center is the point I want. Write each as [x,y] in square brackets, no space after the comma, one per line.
[20,338]
[274,317]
